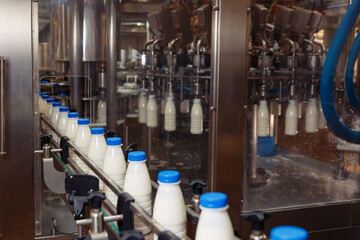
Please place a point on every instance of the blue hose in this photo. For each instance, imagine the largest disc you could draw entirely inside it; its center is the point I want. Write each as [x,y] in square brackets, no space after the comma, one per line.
[354,100]
[328,73]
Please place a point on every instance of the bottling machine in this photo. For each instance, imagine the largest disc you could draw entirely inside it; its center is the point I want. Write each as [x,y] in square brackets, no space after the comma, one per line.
[256,99]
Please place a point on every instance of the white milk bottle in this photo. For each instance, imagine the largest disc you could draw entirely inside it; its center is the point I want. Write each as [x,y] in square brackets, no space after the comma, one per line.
[42,106]
[196,118]
[291,118]
[72,125]
[169,205]
[55,113]
[137,184]
[322,119]
[114,166]
[97,150]
[311,120]
[151,114]
[49,107]
[63,119]
[170,115]
[263,120]
[142,107]
[101,111]
[82,141]
[214,221]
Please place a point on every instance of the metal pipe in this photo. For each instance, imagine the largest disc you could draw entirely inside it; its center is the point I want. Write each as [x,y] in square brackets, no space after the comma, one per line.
[111,69]
[75,64]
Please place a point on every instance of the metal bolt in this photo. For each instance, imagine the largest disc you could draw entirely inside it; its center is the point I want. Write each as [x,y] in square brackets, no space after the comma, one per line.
[212,108]
[216,8]
[245,107]
[248,10]
[37,222]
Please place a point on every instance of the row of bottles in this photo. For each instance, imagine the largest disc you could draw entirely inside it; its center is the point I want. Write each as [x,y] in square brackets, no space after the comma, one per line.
[314,118]
[148,113]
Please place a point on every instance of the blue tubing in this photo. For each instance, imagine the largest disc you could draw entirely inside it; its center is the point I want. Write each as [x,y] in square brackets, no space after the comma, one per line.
[328,73]
[354,100]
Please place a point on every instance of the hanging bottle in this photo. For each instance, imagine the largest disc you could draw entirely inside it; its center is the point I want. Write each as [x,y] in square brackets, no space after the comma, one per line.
[142,107]
[101,111]
[263,120]
[311,119]
[196,118]
[151,116]
[291,118]
[170,115]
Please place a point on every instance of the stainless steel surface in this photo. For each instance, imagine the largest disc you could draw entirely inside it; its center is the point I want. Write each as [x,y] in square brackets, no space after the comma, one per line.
[17,166]
[62,22]
[75,63]
[97,221]
[2,110]
[53,179]
[111,66]
[93,12]
[228,119]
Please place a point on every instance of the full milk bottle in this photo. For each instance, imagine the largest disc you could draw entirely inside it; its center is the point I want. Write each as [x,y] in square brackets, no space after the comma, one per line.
[49,107]
[137,184]
[151,114]
[63,119]
[82,141]
[169,205]
[170,115]
[101,111]
[97,149]
[214,221]
[55,113]
[263,120]
[291,118]
[311,118]
[142,107]
[71,130]
[114,166]
[196,117]
[42,106]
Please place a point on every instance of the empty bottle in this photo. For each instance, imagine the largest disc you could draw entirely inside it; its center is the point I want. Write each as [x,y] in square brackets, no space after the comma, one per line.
[72,125]
[49,107]
[311,119]
[151,114]
[97,149]
[263,120]
[137,184]
[169,205]
[170,115]
[101,111]
[322,119]
[288,233]
[114,166]
[142,107]
[214,221]
[42,106]
[196,118]
[291,119]
[55,113]
[82,141]
[63,119]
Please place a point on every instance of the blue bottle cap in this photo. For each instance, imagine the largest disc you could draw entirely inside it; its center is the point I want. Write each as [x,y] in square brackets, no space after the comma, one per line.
[73,115]
[288,233]
[97,130]
[43,82]
[83,121]
[55,84]
[57,104]
[45,96]
[62,92]
[137,156]
[113,141]
[213,200]
[50,100]
[169,176]
[64,109]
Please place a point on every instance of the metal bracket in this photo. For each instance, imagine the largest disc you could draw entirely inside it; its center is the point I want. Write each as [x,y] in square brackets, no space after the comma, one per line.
[54,179]
[123,207]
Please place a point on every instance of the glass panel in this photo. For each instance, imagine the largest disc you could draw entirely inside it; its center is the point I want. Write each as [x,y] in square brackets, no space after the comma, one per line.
[293,158]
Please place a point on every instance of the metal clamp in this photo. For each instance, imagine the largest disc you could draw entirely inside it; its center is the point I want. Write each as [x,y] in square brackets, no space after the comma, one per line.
[2,111]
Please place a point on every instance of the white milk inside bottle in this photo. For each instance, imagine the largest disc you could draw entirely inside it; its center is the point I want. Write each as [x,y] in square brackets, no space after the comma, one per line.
[82,141]
[196,118]
[170,115]
[63,119]
[169,205]
[72,125]
[311,119]
[97,150]
[55,113]
[142,107]
[263,120]
[151,115]
[49,107]
[137,184]
[42,106]
[101,111]
[214,221]
[322,119]
[291,118]
[114,166]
